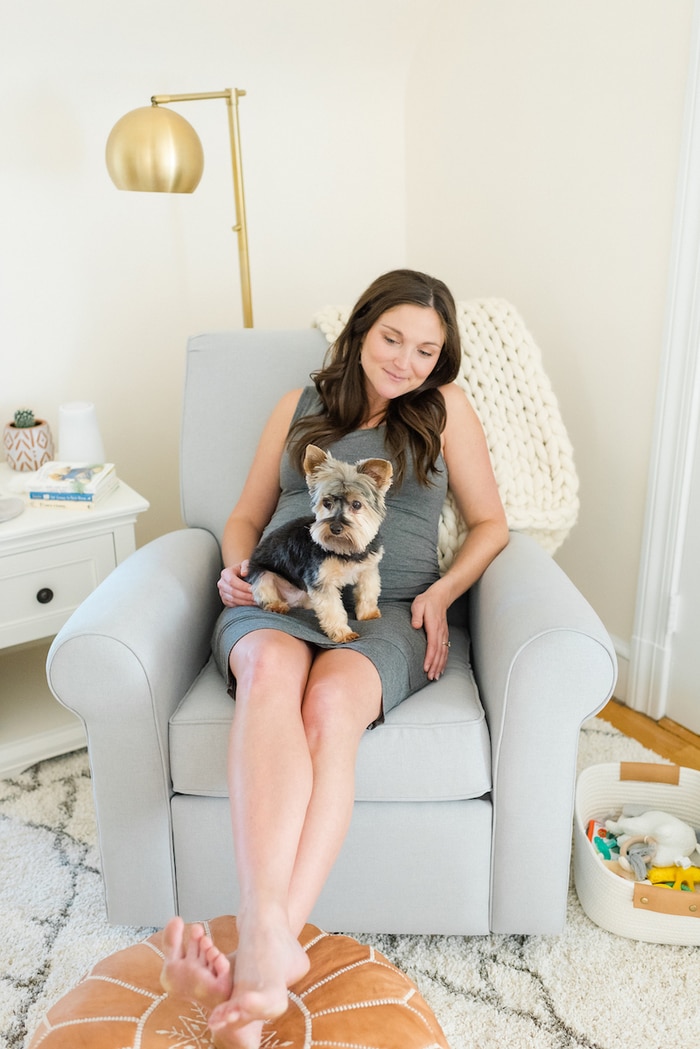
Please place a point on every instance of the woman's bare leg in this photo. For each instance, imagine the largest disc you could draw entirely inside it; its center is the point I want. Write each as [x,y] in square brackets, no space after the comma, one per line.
[342,698]
[270,783]
[292,790]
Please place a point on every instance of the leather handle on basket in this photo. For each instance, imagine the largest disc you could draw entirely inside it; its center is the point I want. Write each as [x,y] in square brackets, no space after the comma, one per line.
[648,772]
[663,900]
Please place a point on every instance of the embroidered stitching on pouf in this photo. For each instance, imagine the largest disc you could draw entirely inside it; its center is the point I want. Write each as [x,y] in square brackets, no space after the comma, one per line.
[351,997]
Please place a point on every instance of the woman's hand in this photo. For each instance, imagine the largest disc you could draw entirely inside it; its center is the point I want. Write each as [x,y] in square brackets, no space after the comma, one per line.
[429,612]
[233,589]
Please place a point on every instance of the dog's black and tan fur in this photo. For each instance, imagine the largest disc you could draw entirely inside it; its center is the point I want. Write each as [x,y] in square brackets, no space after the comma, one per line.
[306,563]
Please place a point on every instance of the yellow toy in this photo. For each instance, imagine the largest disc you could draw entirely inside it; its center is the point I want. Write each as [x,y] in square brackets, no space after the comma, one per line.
[680,876]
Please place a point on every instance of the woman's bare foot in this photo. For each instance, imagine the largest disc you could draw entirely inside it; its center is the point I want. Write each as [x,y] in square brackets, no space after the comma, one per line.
[268,961]
[247,1037]
[198,972]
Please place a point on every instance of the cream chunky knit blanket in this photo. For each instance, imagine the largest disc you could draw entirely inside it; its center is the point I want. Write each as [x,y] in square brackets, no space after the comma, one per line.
[532,457]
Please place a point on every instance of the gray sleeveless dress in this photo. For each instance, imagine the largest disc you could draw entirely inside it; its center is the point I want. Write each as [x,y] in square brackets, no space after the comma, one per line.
[408,567]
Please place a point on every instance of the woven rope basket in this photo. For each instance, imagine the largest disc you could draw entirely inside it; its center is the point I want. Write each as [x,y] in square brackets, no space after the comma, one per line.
[637,910]
[531,454]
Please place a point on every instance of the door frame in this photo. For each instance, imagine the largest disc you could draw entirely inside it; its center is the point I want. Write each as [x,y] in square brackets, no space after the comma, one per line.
[675,428]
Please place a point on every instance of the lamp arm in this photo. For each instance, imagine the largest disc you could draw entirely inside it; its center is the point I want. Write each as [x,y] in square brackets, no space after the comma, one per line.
[231,95]
[164,100]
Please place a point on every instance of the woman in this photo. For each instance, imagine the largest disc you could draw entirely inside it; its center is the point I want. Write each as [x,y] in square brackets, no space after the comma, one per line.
[302,702]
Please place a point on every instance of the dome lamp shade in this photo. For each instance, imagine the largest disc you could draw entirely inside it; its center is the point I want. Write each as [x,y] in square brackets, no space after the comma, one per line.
[154,149]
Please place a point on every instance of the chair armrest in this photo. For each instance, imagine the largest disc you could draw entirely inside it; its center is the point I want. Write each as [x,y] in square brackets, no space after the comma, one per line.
[544,663]
[122,663]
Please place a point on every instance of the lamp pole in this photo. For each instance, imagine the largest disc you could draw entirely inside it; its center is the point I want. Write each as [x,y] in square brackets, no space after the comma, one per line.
[231,96]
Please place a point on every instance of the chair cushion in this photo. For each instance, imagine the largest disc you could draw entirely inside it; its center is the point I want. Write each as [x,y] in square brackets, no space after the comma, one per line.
[432,747]
[351,995]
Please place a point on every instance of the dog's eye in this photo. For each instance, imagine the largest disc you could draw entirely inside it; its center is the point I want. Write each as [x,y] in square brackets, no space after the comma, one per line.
[356,504]
[327,504]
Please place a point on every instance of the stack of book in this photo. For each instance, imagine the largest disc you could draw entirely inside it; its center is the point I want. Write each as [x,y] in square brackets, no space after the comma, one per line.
[82,485]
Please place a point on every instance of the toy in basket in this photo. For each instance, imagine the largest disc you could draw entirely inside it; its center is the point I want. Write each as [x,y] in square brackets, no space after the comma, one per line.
[636,858]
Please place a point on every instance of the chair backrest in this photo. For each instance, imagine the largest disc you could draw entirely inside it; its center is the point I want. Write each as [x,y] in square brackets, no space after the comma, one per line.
[233,381]
[235,378]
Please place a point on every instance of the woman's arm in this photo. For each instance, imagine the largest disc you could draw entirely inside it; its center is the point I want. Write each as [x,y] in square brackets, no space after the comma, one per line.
[474,487]
[256,504]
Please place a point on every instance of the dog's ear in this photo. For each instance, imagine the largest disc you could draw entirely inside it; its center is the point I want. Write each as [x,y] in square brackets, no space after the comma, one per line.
[313,458]
[380,470]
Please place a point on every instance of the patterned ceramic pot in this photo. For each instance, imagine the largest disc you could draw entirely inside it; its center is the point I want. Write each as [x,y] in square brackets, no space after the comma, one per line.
[29,447]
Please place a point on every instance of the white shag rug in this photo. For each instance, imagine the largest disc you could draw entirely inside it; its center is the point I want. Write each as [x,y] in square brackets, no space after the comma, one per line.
[585,989]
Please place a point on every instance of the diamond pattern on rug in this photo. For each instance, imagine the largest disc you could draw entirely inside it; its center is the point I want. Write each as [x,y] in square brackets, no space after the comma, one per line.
[51,898]
[581,990]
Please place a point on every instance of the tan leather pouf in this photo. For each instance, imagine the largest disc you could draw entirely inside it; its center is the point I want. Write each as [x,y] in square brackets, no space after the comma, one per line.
[351,996]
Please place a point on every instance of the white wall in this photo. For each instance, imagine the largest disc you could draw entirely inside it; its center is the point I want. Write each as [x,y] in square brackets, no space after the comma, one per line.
[542,159]
[100,289]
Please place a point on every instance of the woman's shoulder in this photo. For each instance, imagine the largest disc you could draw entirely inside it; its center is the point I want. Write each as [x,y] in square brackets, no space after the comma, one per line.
[453,394]
[456,401]
[306,402]
[291,397]
[292,406]
[280,418]
[462,419]
[287,404]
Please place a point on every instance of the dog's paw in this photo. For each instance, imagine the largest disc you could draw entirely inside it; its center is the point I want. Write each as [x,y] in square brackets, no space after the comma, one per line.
[369,613]
[343,638]
[277,606]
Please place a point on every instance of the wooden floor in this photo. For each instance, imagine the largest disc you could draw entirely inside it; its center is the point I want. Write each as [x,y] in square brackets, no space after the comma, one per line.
[664,737]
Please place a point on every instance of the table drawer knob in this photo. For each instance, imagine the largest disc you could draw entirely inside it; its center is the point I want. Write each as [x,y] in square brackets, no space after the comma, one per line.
[44,595]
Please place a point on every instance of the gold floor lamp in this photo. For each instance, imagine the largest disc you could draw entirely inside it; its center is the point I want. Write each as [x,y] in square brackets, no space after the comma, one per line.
[156,150]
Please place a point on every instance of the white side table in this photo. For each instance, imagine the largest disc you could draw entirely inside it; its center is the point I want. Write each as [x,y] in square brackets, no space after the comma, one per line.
[51,558]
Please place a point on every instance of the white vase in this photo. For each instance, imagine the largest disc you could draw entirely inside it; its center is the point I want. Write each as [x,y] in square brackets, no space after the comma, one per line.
[79,439]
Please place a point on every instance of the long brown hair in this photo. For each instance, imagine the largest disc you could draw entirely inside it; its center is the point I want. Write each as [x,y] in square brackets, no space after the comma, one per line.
[415,419]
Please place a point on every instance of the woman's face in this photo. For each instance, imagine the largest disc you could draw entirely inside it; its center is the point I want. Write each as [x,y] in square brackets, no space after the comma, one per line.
[400,351]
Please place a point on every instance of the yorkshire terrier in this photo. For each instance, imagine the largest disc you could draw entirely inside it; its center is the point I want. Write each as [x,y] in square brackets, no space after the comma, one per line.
[307,562]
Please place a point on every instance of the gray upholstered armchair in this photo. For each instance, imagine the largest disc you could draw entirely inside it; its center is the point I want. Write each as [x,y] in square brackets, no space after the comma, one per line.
[464,798]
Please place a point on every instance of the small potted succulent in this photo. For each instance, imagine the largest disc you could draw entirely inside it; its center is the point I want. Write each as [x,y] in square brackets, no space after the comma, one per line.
[28,441]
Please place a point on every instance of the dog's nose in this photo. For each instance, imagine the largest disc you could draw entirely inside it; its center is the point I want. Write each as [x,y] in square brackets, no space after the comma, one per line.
[336,529]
